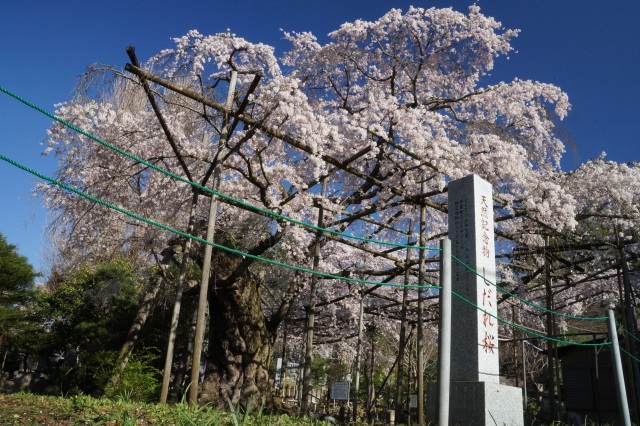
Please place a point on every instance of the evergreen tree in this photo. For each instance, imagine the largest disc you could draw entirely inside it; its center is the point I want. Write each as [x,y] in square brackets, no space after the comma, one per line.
[16,275]
[16,292]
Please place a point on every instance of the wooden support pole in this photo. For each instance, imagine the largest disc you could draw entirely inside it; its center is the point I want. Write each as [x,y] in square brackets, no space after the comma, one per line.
[206,268]
[311,314]
[421,281]
[403,332]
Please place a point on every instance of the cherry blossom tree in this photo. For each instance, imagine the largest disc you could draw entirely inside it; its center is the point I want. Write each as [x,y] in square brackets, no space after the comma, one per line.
[379,109]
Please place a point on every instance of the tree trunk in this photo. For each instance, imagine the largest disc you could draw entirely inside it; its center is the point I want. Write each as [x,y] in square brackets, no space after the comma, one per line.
[185,361]
[4,359]
[399,407]
[239,347]
[145,308]
[550,326]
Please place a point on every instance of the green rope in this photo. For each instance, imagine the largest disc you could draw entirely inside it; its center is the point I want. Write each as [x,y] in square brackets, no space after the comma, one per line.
[526,302]
[633,357]
[218,246]
[526,330]
[250,206]
[274,262]
[203,188]
[627,331]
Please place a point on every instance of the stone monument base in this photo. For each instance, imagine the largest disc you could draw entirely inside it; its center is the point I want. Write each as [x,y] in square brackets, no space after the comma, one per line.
[478,404]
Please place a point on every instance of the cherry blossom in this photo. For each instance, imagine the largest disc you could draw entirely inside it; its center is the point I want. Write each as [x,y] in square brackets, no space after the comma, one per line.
[380,108]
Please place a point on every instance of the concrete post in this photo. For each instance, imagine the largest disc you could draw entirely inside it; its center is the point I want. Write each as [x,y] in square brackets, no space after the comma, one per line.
[444,346]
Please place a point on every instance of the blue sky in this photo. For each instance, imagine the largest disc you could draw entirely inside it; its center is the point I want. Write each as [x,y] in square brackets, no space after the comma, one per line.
[589,48]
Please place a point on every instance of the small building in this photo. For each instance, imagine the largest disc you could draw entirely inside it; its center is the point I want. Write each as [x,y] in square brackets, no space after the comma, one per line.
[588,384]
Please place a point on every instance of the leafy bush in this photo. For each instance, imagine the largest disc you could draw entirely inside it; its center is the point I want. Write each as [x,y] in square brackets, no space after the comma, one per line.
[140,380]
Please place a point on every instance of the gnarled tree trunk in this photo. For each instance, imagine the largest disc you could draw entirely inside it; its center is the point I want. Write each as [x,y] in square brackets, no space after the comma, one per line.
[240,344]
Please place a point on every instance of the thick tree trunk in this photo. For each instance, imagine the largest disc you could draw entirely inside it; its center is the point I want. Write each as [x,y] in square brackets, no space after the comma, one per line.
[239,348]
[240,336]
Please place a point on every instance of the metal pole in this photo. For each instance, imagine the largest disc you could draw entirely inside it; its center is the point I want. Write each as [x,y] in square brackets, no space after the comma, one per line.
[348,401]
[615,353]
[308,354]
[631,323]
[524,375]
[206,267]
[444,348]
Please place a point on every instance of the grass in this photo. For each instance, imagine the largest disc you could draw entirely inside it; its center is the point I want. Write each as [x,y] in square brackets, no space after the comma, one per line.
[29,409]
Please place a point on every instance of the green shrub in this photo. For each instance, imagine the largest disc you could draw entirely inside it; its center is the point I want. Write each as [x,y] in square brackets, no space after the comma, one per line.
[140,380]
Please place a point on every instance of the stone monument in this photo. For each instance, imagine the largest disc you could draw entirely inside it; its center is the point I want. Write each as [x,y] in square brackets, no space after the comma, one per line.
[476,395]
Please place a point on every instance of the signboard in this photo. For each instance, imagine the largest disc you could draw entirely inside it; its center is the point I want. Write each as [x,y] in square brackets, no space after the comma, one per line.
[413,401]
[278,373]
[340,390]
